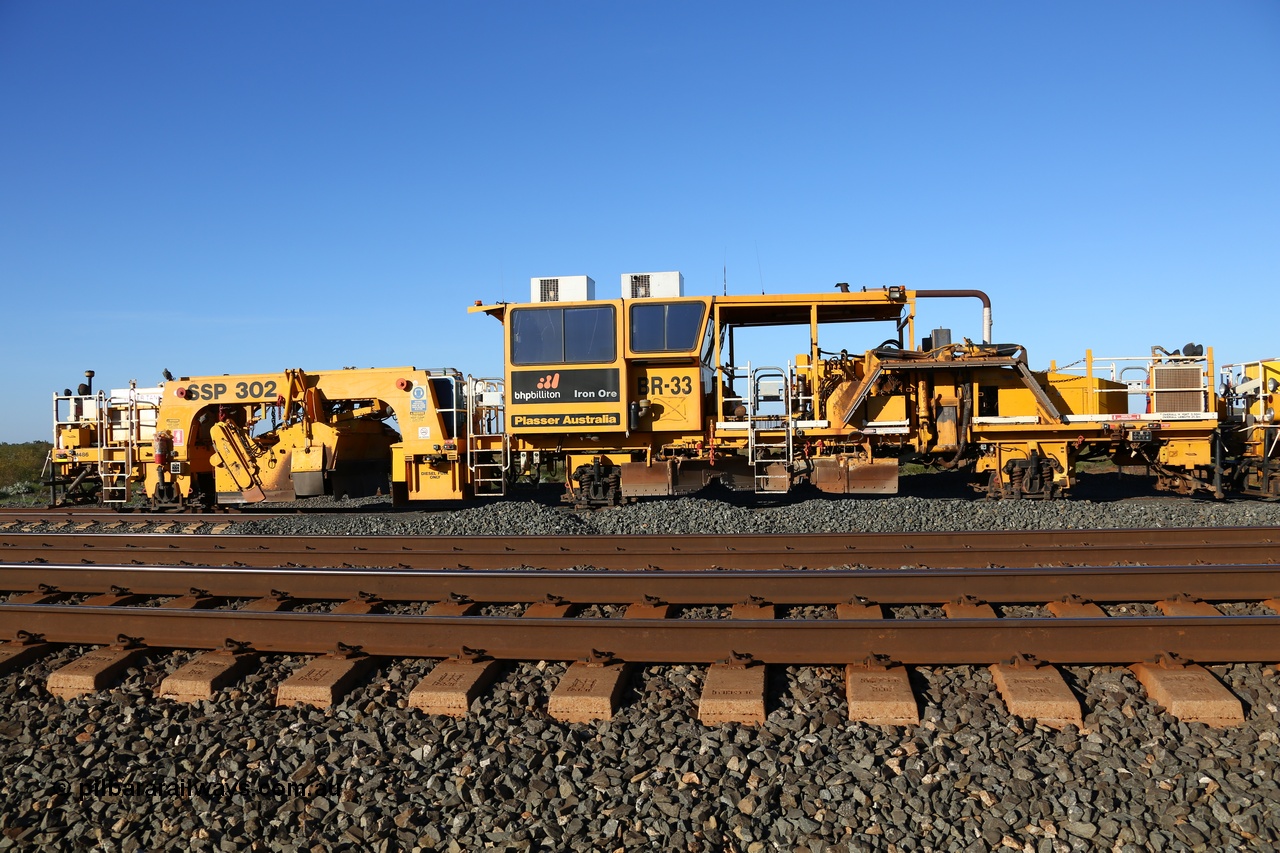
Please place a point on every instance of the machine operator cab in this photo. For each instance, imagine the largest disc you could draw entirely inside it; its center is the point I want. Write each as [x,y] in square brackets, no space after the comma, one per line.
[609,383]
[588,370]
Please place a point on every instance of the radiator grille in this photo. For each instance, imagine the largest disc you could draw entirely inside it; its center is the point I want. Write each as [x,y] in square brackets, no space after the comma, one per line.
[1176,389]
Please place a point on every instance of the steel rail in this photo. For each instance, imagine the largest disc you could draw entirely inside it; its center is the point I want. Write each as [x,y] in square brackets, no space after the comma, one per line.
[924,641]
[755,551]
[784,587]
[135,515]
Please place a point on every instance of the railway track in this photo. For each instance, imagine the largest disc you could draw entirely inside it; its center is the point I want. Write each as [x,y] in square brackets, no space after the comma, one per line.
[1003,586]
[135,515]
[1021,602]
[1168,546]
[266,623]
[872,622]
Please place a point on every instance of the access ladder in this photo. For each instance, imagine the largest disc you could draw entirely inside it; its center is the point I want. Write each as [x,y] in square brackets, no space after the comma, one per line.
[118,446]
[488,445]
[770,435]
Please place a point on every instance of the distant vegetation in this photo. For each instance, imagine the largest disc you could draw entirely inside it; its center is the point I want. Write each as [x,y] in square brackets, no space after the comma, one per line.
[20,467]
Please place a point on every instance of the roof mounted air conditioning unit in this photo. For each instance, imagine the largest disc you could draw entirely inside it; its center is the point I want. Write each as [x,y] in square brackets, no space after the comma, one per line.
[564,288]
[649,285]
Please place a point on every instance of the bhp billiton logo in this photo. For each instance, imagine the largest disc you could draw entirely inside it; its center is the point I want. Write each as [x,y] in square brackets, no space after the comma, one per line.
[551,380]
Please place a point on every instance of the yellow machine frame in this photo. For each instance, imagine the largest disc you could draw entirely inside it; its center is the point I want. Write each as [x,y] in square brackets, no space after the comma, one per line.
[651,396]
[839,418]
[275,436]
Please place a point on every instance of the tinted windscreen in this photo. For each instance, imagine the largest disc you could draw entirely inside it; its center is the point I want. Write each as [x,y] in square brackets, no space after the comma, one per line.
[666,327]
[562,335]
[537,336]
[588,334]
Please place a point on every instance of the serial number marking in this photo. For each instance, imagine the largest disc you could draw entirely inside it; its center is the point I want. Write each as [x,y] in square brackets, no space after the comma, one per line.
[672,385]
[243,390]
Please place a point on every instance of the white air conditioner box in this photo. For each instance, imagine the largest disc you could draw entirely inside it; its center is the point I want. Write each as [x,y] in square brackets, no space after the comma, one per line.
[562,288]
[647,285]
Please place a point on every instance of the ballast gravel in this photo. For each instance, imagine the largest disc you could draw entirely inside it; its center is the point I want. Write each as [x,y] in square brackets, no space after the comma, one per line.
[124,771]
[819,515]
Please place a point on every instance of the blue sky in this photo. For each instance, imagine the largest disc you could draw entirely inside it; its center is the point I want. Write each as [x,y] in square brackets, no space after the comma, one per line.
[239,187]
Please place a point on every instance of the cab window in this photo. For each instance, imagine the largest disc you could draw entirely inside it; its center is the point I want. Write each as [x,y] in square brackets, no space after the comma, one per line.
[666,326]
[556,335]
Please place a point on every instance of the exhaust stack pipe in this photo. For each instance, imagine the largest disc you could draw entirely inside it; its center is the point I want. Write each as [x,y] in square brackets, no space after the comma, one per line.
[976,294]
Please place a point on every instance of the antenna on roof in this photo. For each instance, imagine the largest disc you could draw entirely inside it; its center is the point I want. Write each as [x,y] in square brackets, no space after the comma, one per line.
[760,268]
[724,273]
